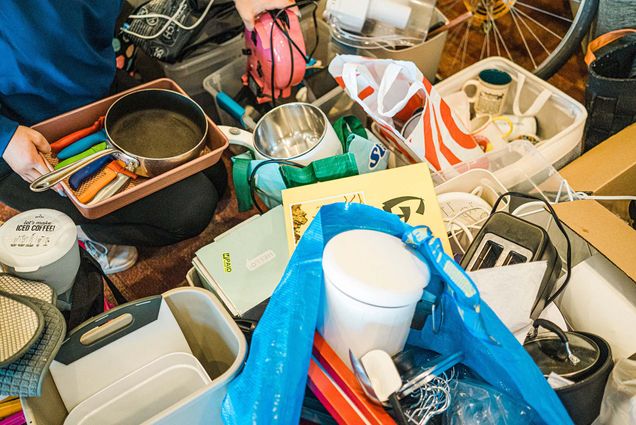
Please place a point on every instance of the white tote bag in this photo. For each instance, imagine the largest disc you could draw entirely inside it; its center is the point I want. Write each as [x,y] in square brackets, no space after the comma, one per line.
[390,92]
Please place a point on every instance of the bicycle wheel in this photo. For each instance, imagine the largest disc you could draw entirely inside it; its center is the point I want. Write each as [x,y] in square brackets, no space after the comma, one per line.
[539,35]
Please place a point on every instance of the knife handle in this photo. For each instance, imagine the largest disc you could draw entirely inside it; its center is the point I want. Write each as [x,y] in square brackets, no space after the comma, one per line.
[82,144]
[91,150]
[83,174]
[65,141]
[89,192]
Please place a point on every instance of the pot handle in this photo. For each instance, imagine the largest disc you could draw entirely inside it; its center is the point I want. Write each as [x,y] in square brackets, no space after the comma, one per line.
[237,136]
[553,327]
[47,181]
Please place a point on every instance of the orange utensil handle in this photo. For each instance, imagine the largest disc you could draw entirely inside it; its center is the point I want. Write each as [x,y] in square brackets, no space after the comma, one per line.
[120,167]
[69,139]
[97,185]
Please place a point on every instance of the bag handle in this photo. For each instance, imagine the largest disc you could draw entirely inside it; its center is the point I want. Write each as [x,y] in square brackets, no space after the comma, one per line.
[390,75]
[603,40]
[538,103]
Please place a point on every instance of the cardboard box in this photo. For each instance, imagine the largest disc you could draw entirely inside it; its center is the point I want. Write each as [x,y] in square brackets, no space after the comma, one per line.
[609,169]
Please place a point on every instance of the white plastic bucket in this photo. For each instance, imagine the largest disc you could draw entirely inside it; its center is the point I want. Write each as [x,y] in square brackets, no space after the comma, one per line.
[372,285]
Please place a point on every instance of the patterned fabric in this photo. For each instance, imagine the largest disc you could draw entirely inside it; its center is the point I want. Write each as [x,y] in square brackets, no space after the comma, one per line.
[24,376]
[21,325]
[26,288]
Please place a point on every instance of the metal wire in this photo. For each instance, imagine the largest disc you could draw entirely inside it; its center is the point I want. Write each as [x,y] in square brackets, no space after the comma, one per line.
[431,399]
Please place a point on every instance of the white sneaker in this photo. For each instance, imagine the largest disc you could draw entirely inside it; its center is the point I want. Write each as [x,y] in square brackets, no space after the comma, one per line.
[112,258]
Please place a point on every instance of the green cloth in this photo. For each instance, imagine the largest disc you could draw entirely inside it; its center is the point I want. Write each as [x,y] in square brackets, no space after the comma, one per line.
[347,125]
[321,170]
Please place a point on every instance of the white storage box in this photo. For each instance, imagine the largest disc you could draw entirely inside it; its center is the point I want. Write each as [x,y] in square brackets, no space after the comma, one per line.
[143,393]
[560,121]
[215,341]
[426,55]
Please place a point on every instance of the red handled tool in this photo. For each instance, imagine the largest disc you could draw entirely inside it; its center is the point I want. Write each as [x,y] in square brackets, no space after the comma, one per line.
[69,139]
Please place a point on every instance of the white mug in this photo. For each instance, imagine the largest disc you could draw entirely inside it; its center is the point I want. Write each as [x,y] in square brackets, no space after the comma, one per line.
[484,126]
[515,125]
[491,89]
[298,132]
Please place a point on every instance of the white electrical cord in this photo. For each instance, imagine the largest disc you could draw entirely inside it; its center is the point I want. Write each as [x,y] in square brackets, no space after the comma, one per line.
[170,19]
[572,195]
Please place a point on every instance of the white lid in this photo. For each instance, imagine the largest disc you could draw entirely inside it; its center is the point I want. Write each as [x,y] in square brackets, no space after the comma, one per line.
[35,239]
[374,268]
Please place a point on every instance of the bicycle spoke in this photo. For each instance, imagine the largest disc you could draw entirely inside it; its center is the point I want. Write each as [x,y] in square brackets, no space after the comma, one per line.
[538,9]
[488,43]
[483,47]
[539,24]
[461,43]
[523,38]
[513,11]
[498,34]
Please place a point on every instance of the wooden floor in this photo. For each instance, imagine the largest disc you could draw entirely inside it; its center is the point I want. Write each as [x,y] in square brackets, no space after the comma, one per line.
[160,269]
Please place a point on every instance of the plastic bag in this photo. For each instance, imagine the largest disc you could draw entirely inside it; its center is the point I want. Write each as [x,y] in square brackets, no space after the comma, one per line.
[475,403]
[391,92]
[619,400]
[270,389]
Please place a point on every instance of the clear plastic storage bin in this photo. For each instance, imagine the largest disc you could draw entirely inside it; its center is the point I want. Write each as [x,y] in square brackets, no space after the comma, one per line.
[560,121]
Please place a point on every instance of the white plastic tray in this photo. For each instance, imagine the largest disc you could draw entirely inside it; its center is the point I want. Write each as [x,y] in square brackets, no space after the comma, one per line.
[143,393]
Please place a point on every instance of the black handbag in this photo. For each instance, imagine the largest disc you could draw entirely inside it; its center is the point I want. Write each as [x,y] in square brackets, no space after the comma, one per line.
[610,92]
[87,296]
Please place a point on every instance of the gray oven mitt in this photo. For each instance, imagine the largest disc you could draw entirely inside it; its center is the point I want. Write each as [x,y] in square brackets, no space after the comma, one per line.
[22,374]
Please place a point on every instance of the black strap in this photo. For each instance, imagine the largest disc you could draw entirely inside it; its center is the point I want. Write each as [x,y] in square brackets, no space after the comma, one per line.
[115,291]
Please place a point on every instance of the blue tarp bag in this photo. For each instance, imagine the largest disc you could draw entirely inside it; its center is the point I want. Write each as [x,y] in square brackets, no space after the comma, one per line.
[270,388]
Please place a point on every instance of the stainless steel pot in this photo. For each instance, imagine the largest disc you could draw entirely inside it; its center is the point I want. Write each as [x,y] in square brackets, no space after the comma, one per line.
[156,129]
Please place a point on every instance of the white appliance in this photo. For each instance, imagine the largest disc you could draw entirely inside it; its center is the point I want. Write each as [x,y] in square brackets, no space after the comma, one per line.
[372,285]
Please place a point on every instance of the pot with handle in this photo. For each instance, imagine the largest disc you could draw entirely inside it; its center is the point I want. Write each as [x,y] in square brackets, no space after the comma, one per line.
[298,132]
[583,358]
[155,129]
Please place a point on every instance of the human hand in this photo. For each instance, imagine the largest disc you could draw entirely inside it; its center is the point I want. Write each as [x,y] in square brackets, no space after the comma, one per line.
[250,9]
[23,153]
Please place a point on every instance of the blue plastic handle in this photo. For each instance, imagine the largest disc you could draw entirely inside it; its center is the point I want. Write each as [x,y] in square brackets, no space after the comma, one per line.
[85,172]
[82,144]
[231,106]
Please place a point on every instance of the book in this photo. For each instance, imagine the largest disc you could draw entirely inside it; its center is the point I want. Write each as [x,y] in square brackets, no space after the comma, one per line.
[405,191]
[244,265]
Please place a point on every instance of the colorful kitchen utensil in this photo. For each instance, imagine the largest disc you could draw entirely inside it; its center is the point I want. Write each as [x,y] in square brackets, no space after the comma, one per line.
[87,171]
[82,144]
[111,171]
[69,139]
[91,150]
[116,185]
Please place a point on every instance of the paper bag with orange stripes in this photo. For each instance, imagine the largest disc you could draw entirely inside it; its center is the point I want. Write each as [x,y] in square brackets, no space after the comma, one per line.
[391,92]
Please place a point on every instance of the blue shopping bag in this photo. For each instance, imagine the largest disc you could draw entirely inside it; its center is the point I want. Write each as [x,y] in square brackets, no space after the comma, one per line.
[271,387]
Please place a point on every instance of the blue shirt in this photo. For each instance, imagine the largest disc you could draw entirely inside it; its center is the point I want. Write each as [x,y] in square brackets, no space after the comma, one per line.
[55,55]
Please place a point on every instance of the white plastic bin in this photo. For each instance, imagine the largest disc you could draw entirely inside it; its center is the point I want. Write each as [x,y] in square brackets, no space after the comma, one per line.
[214,340]
[560,121]
[426,55]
